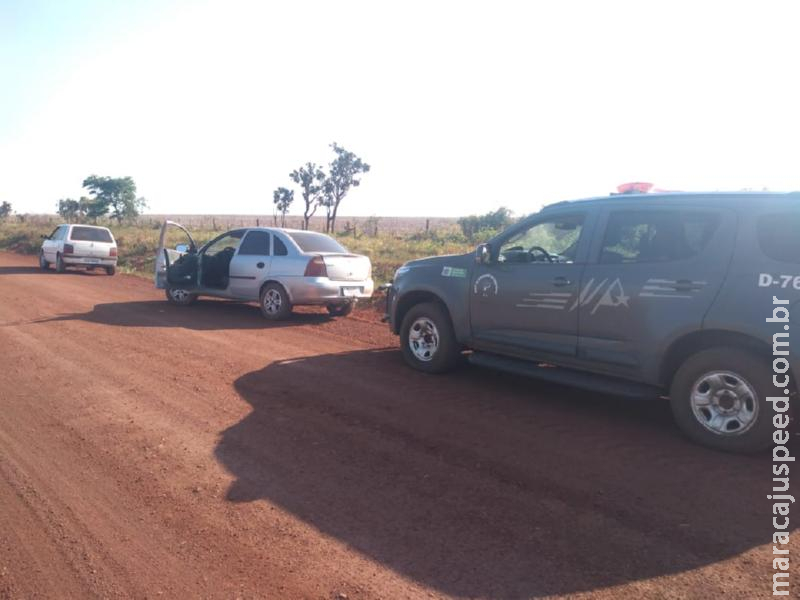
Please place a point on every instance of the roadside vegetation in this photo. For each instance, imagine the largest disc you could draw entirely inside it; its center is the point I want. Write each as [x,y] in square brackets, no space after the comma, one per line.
[113,202]
[138,243]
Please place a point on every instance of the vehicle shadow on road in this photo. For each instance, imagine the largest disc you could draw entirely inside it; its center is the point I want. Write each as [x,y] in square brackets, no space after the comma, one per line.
[204,315]
[480,484]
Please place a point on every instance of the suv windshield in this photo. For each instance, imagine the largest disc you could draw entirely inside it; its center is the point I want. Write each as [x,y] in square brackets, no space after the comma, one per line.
[552,240]
[315,242]
[91,234]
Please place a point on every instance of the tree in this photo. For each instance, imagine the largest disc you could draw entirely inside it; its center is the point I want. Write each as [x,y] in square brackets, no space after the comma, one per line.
[311,180]
[283,198]
[115,194]
[328,202]
[344,171]
[70,210]
[5,210]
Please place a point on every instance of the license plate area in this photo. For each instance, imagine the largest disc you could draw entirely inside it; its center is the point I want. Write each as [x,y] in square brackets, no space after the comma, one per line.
[351,291]
[91,261]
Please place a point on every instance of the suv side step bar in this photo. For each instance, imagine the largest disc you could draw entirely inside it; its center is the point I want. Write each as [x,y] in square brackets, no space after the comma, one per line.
[570,377]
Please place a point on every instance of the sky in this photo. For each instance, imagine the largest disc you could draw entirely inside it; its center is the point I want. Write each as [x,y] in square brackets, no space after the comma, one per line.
[459,107]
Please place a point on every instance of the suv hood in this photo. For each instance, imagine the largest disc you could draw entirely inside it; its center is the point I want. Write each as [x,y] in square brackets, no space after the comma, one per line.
[451,260]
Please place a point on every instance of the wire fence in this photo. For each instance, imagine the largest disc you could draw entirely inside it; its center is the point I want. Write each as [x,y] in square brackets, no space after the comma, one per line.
[371,226]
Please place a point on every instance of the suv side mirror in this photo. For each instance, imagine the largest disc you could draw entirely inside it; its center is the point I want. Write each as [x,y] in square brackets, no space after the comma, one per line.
[483,254]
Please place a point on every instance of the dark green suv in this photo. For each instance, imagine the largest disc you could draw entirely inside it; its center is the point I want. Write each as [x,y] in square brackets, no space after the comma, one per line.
[689,295]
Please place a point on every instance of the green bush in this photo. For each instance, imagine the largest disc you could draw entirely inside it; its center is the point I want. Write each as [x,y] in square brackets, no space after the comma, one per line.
[483,227]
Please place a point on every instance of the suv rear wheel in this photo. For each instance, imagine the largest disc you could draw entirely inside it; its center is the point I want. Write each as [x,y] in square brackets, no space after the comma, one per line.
[427,339]
[718,398]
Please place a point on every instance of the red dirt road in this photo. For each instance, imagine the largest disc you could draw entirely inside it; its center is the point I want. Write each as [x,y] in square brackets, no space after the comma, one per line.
[151,451]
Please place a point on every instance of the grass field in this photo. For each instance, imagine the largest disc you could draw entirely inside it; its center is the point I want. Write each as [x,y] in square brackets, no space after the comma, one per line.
[397,240]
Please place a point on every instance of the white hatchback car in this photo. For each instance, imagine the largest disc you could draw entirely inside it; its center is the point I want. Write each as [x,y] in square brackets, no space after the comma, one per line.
[85,246]
[278,268]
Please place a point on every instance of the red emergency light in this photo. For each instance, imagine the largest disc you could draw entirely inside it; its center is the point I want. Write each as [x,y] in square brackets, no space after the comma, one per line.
[634,187]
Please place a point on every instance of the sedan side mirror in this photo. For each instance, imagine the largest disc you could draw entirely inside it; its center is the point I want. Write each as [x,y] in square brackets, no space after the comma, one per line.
[483,254]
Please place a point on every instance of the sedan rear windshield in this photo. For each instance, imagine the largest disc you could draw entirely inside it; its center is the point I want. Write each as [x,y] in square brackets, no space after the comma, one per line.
[315,242]
[91,234]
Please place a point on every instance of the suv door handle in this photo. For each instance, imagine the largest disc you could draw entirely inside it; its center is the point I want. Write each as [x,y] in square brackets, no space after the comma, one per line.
[561,281]
[260,265]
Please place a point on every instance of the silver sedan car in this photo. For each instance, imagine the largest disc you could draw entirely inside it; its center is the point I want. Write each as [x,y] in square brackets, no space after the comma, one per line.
[279,268]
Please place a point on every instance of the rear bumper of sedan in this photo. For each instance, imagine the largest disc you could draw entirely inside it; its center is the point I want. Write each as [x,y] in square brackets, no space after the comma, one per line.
[71,259]
[321,290]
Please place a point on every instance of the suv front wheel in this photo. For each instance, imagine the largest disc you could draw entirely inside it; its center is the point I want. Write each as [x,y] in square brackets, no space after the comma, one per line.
[718,398]
[427,339]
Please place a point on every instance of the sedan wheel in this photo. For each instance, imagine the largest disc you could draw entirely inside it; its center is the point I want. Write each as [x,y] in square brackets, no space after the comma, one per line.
[340,310]
[180,296]
[274,302]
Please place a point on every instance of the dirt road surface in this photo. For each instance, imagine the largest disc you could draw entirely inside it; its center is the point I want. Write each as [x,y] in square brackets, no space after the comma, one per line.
[151,451]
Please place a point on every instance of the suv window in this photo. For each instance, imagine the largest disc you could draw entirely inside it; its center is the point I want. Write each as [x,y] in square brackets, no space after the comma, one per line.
[255,243]
[90,234]
[553,240]
[778,236]
[637,236]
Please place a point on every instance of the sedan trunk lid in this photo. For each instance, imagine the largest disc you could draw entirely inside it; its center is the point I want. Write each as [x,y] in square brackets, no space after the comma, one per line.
[347,267]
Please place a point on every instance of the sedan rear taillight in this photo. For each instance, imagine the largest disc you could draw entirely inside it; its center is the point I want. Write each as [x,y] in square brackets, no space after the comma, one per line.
[68,249]
[316,268]
[112,251]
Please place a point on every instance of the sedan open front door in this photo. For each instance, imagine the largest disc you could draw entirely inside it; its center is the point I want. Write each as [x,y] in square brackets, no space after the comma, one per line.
[179,266]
